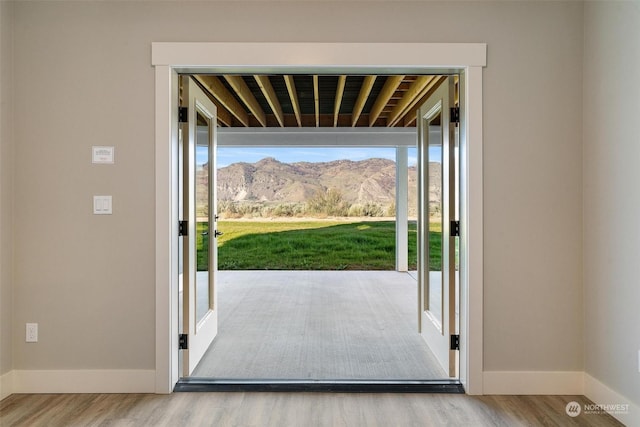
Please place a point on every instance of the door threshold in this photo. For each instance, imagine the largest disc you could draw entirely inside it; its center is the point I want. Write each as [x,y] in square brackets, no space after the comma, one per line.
[194,384]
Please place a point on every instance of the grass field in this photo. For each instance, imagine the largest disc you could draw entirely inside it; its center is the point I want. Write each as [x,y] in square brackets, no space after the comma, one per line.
[310,245]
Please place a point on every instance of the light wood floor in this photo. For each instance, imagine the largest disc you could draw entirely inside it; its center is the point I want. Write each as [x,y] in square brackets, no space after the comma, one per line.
[336,325]
[291,409]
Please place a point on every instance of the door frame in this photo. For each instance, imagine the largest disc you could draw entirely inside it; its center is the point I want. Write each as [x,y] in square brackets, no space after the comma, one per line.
[468,59]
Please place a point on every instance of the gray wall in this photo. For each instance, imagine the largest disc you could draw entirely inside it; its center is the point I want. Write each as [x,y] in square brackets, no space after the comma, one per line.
[83,78]
[611,195]
[6,185]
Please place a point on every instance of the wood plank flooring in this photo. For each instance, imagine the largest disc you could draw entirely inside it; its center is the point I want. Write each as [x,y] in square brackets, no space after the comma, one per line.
[292,409]
[345,325]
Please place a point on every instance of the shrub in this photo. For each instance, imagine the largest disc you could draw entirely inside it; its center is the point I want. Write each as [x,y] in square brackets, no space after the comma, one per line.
[372,209]
[329,203]
[287,209]
[391,210]
[356,210]
[369,209]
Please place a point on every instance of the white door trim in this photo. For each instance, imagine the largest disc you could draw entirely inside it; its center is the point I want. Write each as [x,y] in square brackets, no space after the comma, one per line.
[345,58]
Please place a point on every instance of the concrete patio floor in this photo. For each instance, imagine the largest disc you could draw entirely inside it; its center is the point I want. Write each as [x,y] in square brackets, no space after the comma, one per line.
[318,325]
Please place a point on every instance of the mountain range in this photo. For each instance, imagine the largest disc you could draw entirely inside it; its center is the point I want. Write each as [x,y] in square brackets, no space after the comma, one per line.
[269,180]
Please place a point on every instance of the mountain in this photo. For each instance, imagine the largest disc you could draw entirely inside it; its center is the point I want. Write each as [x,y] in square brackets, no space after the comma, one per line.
[269,180]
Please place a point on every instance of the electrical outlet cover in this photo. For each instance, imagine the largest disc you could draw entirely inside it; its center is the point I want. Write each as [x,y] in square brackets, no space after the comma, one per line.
[32,332]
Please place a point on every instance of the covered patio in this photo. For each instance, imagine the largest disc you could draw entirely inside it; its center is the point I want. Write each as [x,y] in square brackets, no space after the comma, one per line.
[339,325]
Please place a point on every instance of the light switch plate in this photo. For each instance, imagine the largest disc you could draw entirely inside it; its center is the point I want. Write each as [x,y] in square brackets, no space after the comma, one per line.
[102,154]
[102,205]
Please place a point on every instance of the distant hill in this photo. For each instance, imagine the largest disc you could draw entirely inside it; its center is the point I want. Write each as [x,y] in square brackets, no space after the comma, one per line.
[269,180]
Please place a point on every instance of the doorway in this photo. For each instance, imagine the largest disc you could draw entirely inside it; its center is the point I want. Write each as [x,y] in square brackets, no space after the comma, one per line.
[362,340]
[471,58]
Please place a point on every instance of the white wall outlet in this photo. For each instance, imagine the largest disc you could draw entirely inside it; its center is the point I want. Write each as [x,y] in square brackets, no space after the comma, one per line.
[32,332]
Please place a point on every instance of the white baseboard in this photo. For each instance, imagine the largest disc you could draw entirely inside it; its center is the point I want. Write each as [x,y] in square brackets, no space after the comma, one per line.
[6,385]
[600,394]
[524,382]
[84,381]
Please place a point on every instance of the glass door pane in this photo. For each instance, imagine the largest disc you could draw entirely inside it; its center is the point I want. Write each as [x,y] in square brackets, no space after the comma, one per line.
[434,216]
[202,182]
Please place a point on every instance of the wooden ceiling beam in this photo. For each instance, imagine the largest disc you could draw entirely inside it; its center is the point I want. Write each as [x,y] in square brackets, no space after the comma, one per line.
[411,96]
[412,112]
[217,89]
[385,94]
[407,122]
[316,99]
[363,95]
[270,94]
[339,93]
[244,93]
[291,88]
[224,116]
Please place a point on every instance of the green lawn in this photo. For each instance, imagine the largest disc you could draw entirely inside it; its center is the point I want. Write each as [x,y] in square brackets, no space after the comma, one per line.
[309,245]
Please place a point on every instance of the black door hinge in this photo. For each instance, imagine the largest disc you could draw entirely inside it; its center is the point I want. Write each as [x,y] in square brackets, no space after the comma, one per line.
[183,228]
[455,228]
[183,114]
[455,342]
[183,342]
[454,116]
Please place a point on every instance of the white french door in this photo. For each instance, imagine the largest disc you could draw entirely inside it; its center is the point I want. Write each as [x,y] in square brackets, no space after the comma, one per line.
[437,225]
[198,224]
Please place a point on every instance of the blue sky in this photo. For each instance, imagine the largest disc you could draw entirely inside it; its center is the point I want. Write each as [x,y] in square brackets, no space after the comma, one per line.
[229,155]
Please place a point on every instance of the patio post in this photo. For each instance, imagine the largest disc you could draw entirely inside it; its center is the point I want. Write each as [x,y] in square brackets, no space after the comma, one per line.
[402,209]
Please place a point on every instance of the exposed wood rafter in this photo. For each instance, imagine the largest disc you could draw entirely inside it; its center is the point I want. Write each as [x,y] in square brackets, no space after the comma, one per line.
[386,93]
[291,88]
[409,118]
[217,89]
[339,94]
[410,97]
[365,90]
[270,95]
[316,100]
[245,95]
[224,116]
